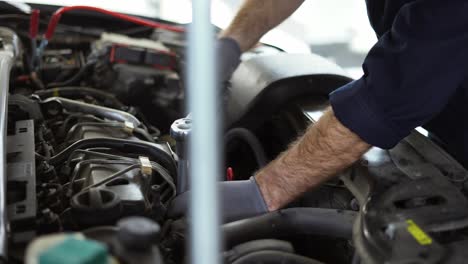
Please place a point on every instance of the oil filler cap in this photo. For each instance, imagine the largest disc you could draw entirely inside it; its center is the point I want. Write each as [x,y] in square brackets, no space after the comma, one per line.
[75,251]
[138,233]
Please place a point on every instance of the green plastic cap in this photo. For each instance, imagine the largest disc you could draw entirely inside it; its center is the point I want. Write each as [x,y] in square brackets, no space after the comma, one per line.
[75,251]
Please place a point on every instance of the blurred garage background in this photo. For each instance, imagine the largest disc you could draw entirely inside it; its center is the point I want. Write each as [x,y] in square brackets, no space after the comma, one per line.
[336,29]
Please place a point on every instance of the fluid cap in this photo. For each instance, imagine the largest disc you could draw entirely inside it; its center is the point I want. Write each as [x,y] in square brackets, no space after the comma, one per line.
[181,129]
[137,232]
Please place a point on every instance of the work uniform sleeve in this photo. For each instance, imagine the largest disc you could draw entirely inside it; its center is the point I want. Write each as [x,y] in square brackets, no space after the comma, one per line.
[409,75]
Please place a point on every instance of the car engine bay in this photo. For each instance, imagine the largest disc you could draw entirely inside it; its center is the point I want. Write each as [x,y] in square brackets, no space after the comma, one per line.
[95,131]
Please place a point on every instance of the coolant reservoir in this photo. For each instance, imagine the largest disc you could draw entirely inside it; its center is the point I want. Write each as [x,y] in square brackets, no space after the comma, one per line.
[67,248]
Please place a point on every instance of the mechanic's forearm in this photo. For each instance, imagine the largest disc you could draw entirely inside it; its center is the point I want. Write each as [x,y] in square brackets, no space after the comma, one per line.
[324,150]
[256,17]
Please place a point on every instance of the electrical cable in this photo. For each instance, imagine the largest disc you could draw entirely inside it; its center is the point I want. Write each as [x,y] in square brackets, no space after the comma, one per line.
[33,29]
[113,176]
[121,126]
[97,154]
[97,110]
[67,120]
[94,32]
[165,175]
[54,20]
[144,22]
[61,27]
[36,80]
[75,78]
[144,134]
[92,161]
[76,91]
[162,172]
[72,130]
[125,160]
[34,24]
[64,126]
[148,149]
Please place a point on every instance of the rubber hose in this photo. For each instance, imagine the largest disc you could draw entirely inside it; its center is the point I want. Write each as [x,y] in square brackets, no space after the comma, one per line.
[272,257]
[73,91]
[287,222]
[248,137]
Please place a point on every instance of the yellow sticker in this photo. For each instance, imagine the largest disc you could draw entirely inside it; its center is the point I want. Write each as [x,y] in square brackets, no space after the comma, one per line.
[418,234]
[56,92]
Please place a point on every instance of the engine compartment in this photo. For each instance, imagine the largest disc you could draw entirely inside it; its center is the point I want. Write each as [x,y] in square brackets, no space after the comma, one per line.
[95,137]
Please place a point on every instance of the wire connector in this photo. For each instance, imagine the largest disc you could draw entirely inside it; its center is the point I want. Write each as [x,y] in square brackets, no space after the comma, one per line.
[146,167]
[128,127]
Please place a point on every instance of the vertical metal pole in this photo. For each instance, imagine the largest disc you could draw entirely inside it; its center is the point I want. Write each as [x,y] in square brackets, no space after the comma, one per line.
[204,153]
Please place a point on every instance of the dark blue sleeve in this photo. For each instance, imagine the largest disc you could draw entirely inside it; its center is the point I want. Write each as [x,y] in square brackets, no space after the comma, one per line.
[409,75]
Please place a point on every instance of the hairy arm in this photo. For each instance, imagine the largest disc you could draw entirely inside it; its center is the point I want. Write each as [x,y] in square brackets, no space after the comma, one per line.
[325,149]
[257,17]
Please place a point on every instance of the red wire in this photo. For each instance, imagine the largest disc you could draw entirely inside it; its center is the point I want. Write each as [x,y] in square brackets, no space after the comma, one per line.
[229,174]
[34,23]
[144,22]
